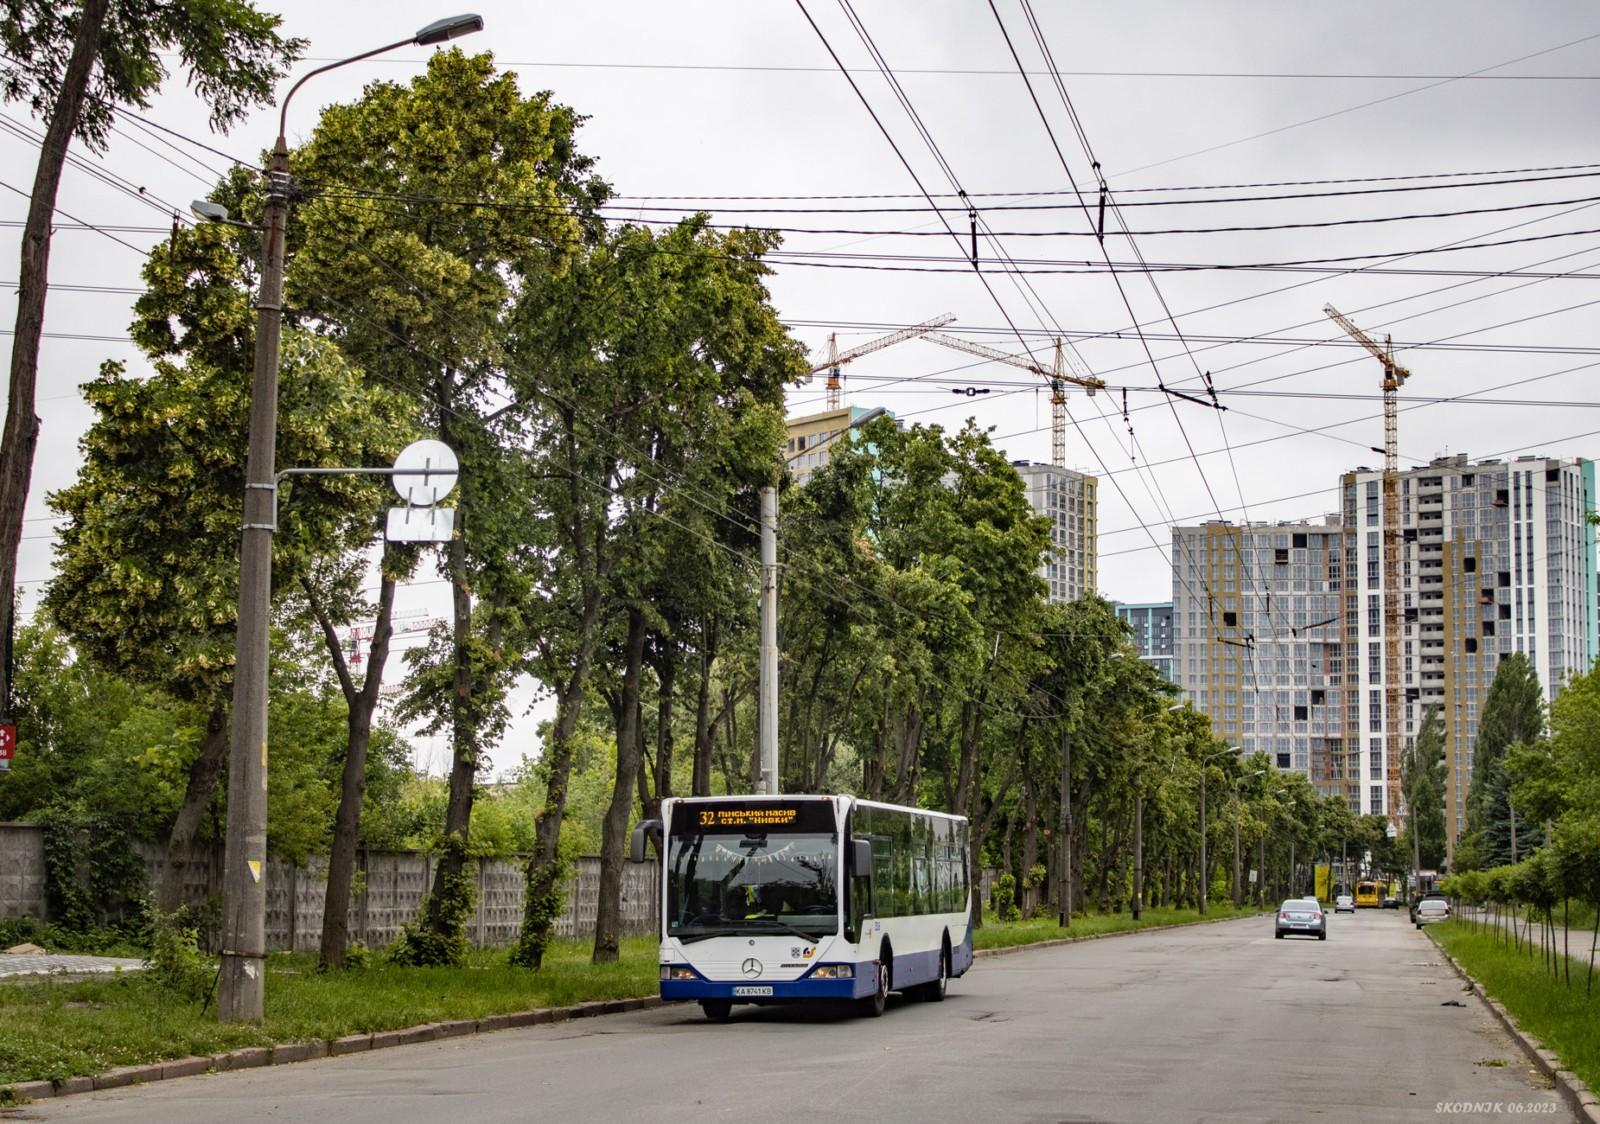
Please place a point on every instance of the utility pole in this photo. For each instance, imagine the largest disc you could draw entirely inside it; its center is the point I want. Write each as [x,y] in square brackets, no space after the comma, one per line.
[1064,880]
[1205,874]
[1138,852]
[242,977]
[1238,873]
[769,641]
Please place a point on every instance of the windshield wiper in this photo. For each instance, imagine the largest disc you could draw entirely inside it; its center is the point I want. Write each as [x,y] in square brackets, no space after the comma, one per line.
[705,934]
[781,926]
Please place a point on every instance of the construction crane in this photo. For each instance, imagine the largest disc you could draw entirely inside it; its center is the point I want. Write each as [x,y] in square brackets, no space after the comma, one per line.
[1394,376]
[1057,378]
[359,635]
[837,358]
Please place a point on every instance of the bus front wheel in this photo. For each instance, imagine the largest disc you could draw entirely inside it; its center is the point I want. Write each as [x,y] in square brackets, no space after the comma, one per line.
[872,1006]
[717,1010]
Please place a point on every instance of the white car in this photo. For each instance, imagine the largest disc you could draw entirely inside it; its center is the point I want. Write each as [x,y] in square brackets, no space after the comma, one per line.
[1344,903]
[1430,910]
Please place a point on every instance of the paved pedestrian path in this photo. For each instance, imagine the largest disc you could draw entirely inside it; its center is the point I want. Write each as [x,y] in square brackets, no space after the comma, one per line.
[50,964]
[1576,942]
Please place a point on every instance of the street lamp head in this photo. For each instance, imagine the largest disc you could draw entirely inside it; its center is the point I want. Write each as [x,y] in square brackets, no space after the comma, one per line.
[207,211]
[451,27]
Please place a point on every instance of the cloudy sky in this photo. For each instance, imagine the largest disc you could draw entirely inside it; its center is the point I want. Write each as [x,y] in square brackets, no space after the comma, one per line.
[1441,160]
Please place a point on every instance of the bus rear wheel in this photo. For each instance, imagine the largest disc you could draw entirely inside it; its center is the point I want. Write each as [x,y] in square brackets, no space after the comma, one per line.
[717,1010]
[872,1006]
[933,991]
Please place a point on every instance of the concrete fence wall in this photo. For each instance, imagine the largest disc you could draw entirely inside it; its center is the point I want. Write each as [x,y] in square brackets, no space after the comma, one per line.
[388,891]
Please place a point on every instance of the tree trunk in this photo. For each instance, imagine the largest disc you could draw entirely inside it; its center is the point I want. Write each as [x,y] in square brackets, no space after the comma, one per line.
[21,434]
[666,674]
[614,831]
[464,746]
[360,706]
[703,738]
[203,773]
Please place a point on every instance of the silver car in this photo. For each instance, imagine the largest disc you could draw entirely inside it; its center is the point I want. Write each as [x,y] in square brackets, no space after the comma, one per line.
[1430,910]
[1303,917]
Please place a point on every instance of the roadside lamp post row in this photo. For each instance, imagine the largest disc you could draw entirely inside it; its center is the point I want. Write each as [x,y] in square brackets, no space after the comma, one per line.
[1138,835]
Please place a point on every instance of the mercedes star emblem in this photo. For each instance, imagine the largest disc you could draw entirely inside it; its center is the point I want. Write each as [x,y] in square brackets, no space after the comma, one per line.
[751,967]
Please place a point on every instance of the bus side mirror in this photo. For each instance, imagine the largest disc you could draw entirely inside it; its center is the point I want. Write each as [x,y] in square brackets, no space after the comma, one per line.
[861,857]
[645,830]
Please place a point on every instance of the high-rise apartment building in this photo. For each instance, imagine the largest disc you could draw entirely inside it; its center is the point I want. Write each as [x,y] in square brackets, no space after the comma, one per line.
[1070,500]
[1496,557]
[811,437]
[1152,633]
[1257,641]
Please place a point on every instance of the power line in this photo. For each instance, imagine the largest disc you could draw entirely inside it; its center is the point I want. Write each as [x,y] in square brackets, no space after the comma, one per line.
[1048,192]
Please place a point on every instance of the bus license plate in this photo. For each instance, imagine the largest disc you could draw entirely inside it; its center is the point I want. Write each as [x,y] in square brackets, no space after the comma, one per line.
[751,991]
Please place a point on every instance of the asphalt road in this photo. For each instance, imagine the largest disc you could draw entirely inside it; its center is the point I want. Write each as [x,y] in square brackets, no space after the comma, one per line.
[1210,1023]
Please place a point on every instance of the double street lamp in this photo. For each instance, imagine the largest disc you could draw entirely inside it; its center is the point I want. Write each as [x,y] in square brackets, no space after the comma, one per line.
[241,997]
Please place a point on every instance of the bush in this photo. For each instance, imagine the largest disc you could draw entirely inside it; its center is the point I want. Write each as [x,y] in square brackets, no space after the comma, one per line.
[1005,898]
[176,964]
[438,935]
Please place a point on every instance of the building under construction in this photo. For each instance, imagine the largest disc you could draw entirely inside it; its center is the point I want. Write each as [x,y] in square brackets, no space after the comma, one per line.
[1258,640]
[1495,557]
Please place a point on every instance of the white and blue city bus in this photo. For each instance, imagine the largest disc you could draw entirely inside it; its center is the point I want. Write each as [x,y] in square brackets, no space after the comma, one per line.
[751,908]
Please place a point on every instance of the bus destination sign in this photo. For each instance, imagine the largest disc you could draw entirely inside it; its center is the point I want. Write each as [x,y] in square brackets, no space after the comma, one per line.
[792,815]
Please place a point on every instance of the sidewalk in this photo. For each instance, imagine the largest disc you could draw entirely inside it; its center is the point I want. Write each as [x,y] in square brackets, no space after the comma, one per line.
[49,964]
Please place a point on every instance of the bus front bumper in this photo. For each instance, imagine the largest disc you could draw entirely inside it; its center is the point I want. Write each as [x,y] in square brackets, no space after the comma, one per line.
[763,991]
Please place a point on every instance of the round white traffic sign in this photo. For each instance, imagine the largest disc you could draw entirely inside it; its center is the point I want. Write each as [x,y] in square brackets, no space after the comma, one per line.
[427,472]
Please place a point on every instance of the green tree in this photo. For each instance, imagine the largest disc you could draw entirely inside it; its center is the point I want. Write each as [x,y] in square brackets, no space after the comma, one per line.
[1513,714]
[444,198]
[76,65]
[1422,779]
[147,574]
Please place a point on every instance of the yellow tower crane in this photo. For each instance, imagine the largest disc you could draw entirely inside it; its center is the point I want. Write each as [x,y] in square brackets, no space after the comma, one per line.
[1393,376]
[1057,379]
[837,358]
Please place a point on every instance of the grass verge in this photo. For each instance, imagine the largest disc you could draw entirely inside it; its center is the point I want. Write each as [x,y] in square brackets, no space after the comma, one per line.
[1008,934]
[54,1030]
[1558,1016]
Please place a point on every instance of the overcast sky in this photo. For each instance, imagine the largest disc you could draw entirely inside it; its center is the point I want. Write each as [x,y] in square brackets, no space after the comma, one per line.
[726,99]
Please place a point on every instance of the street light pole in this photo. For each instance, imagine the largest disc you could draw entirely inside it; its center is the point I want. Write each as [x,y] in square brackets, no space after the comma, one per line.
[242,977]
[767,711]
[767,670]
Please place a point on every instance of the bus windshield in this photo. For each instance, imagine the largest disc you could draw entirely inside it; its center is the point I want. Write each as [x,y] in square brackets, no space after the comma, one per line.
[733,878]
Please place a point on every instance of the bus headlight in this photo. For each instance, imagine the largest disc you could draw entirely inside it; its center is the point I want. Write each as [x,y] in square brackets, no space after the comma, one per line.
[677,972]
[834,972]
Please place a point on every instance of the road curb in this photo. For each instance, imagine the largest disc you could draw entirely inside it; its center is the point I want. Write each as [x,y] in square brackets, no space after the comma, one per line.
[1579,1097]
[285,1053]
[1058,942]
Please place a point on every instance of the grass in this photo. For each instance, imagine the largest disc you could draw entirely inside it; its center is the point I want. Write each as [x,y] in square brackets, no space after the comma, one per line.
[1008,934]
[54,1029]
[1560,1017]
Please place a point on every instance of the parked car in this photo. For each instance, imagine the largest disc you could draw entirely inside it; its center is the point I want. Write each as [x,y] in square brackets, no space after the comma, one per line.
[1390,902]
[1344,903]
[1302,916]
[1429,910]
[1431,895]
